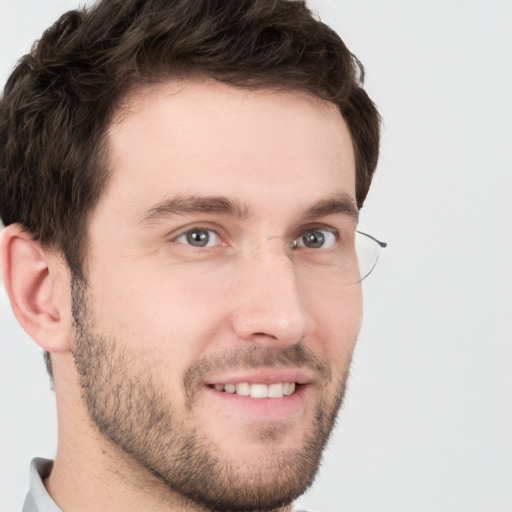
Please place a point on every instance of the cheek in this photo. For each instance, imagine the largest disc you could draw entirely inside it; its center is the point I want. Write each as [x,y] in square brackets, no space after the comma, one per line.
[338,318]
[168,311]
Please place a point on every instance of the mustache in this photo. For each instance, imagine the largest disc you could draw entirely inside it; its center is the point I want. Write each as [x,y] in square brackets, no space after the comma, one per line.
[256,357]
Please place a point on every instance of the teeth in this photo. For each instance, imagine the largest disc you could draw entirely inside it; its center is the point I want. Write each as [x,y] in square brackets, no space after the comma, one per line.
[277,390]
[259,391]
[288,388]
[230,388]
[243,389]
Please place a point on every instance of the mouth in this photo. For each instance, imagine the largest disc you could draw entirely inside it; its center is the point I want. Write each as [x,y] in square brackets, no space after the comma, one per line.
[265,394]
[258,390]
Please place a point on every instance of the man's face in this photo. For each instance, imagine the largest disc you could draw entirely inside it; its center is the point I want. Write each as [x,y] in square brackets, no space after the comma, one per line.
[193,290]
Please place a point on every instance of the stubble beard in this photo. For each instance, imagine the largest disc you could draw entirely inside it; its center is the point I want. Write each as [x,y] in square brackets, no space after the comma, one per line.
[132,412]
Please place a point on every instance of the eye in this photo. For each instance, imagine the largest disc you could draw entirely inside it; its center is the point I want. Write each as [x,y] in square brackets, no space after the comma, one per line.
[316,239]
[199,237]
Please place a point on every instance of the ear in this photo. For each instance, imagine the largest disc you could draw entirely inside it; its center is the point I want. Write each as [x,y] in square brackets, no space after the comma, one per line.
[37,283]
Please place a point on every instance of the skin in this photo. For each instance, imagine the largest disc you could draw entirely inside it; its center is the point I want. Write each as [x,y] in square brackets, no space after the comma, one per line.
[172,319]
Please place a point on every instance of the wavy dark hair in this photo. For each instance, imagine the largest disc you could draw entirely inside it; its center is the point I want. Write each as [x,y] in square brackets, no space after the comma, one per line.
[61,97]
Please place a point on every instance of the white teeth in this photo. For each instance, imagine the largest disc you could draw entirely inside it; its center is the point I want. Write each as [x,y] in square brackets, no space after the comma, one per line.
[259,391]
[277,390]
[288,388]
[230,388]
[243,389]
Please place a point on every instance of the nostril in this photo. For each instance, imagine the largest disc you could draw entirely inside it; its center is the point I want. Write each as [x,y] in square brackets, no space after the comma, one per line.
[263,335]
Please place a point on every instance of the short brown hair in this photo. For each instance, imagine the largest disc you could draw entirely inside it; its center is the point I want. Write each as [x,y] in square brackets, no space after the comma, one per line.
[61,97]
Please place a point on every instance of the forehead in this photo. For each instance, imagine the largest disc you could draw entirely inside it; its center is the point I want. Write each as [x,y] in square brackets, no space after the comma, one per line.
[208,138]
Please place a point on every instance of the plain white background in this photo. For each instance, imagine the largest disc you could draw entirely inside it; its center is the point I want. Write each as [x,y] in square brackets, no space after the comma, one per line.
[427,423]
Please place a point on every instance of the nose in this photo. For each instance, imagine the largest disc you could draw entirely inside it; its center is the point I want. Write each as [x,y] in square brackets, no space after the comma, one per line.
[269,304]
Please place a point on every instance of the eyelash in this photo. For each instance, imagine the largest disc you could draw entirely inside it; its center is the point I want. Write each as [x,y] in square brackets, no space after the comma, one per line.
[198,229]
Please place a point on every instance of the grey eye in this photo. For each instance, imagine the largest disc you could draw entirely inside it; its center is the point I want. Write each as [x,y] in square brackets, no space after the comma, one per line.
[317,239]
[199,238]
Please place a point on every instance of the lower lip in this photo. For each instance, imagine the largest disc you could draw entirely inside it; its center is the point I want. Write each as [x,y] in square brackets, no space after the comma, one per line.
[269,409]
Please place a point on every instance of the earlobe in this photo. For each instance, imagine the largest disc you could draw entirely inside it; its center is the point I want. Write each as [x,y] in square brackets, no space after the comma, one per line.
[32,278]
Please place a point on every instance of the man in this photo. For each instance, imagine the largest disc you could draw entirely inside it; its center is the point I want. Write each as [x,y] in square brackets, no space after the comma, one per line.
[181,181]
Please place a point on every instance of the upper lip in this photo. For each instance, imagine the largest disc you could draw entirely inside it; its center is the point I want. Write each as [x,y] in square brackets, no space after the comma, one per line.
[262,376]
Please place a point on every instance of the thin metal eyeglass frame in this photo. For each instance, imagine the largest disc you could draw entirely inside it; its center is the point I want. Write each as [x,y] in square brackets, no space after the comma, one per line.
[380,244]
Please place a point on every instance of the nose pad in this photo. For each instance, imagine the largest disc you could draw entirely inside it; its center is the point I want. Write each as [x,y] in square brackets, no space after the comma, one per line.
[290,244]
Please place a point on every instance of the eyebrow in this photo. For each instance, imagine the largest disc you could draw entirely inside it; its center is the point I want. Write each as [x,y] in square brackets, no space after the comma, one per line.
[338,204]
[188,205]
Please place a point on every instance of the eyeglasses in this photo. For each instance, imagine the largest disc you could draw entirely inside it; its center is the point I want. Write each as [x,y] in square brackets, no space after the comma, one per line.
[368,250]
[353,260]
[327,257]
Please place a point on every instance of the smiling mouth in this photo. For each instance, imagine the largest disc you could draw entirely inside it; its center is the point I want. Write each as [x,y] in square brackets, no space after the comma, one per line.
[277,390]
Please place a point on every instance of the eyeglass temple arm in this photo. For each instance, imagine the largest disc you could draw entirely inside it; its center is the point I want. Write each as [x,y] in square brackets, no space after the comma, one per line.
[382,244]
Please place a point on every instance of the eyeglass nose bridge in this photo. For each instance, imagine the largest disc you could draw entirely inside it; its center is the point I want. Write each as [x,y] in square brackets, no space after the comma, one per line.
[291,244]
